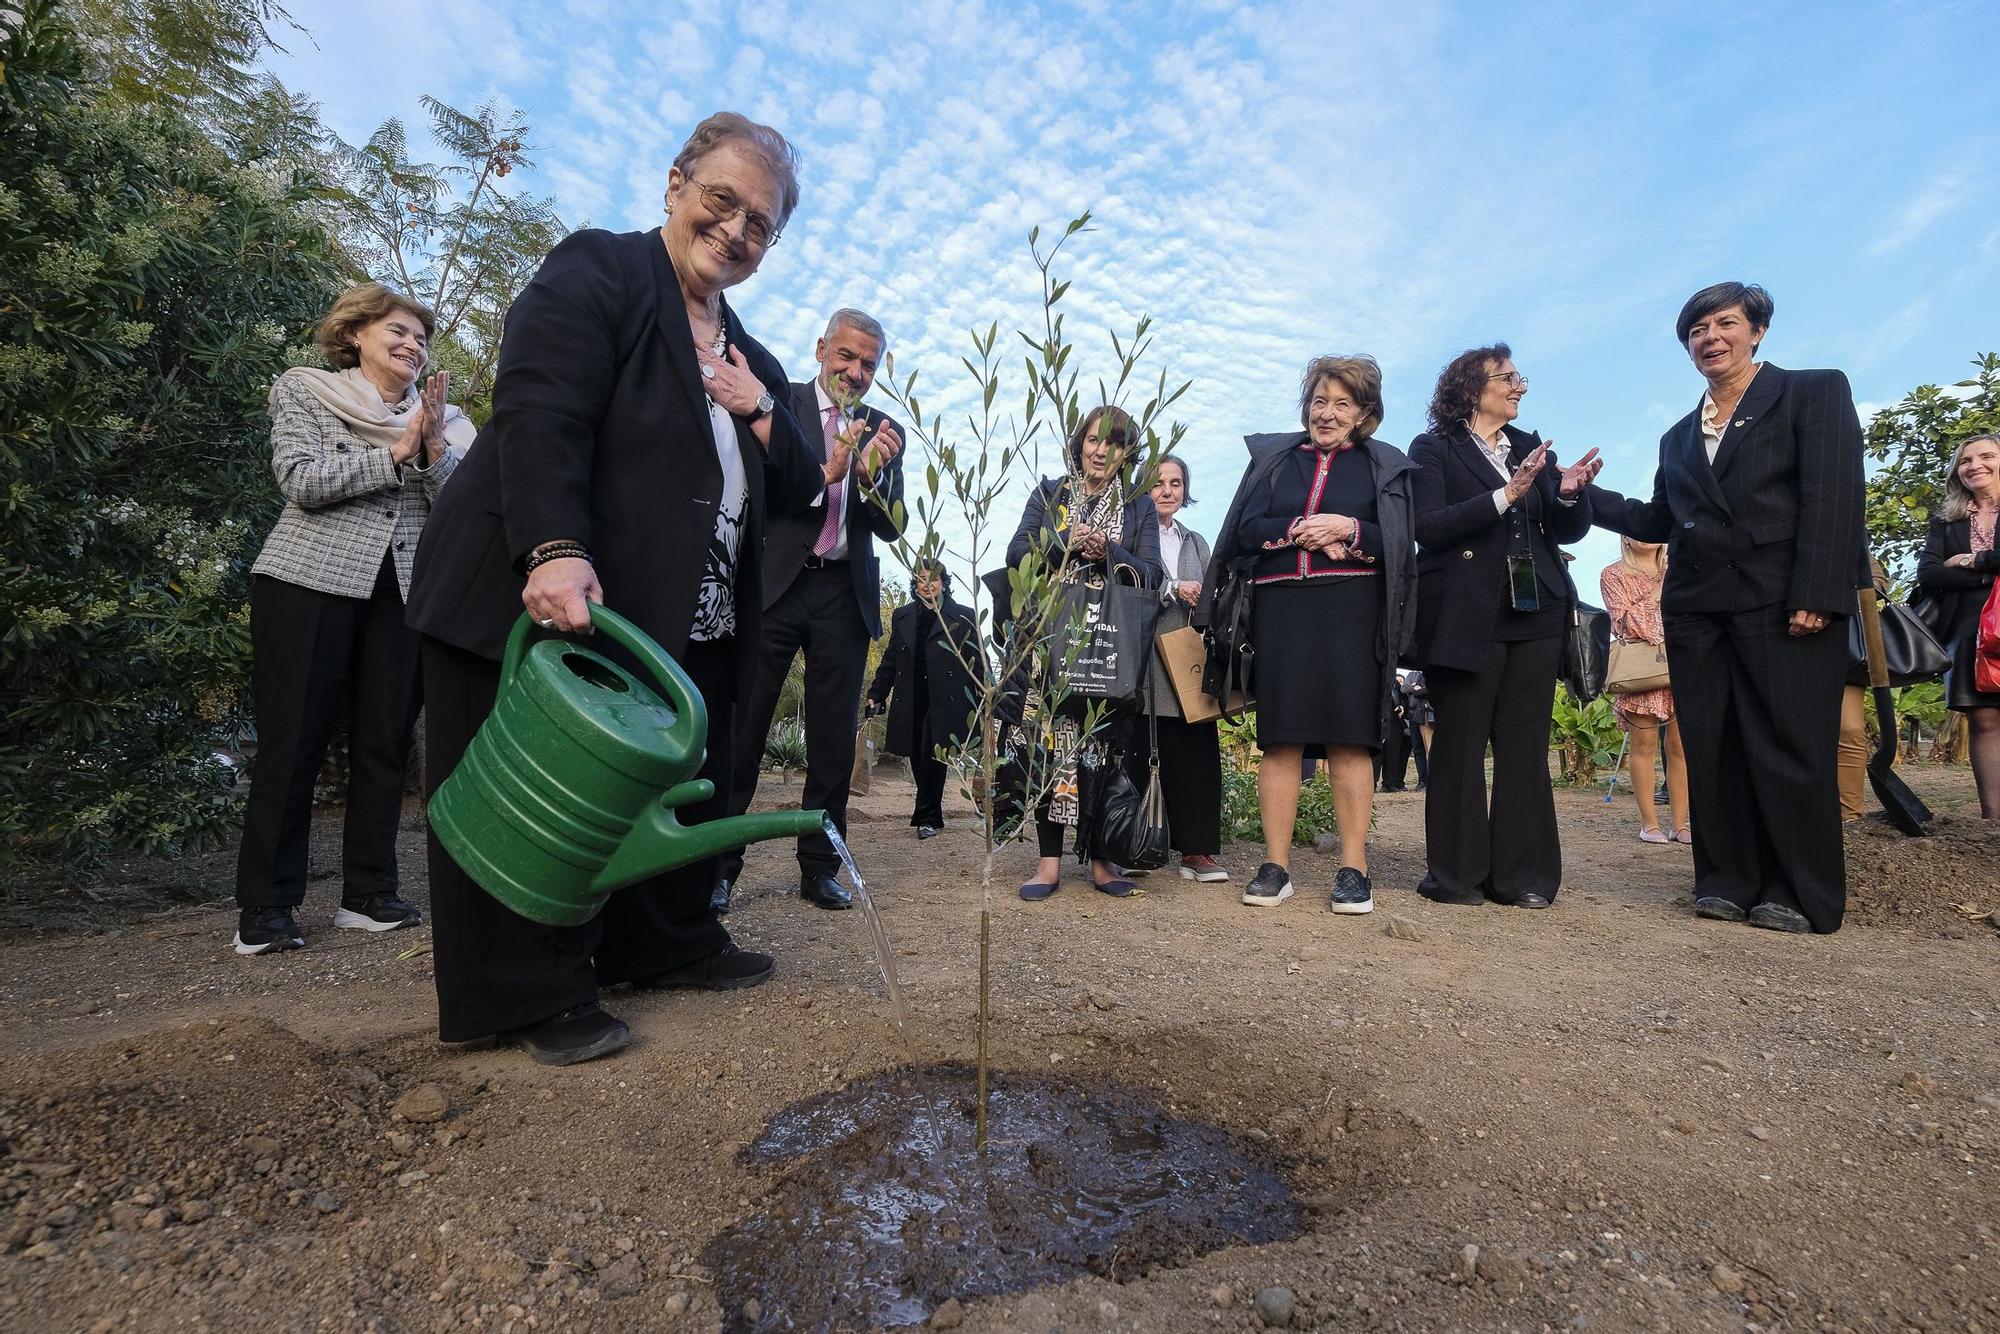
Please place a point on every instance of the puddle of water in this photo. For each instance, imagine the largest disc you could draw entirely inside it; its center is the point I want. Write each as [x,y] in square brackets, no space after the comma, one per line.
[878,936]
[889,1208]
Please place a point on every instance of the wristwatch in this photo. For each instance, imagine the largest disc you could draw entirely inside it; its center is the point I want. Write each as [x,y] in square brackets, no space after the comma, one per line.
[765,406]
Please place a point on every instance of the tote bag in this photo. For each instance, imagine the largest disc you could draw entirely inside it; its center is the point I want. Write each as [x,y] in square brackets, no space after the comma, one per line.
[1112,629]
[1635,667]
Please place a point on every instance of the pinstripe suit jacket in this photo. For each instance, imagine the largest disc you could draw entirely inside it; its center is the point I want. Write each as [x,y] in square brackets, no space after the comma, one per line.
[346,502]
[1776,520]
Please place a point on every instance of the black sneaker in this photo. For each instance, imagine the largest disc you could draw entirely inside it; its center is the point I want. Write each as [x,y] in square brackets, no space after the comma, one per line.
[376,912]
[581,1033]
[1351,892]
[1271,886]
[728,969]
[268,931]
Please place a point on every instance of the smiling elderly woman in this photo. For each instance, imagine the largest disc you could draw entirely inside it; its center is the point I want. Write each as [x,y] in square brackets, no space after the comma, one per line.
[1323,520]
[359,453]
[634,453]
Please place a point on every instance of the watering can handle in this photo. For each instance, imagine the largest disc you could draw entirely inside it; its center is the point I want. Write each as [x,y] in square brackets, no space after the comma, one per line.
[690,729]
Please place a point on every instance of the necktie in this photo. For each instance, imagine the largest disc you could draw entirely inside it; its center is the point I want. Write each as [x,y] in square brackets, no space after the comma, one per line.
[829,532]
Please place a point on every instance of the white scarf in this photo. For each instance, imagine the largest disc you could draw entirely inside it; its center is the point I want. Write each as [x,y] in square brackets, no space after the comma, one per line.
[353,397]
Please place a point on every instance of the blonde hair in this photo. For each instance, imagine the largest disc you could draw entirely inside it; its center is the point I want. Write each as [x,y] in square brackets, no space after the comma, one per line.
[357,308]
[1957,499]
[1626,555]
[1360,375]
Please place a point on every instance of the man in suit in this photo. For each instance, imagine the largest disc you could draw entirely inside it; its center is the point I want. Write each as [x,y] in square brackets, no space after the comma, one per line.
[822,594]
[1759,498]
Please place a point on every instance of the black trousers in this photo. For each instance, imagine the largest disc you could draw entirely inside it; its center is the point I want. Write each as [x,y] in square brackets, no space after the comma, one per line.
[817,614]
[497,970]
[1510,847]
[1759,714]
[1394,761]
[1191,777]
[930,773]
[307,649]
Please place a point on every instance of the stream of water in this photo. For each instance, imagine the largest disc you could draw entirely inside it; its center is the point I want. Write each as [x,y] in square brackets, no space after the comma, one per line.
[878,936]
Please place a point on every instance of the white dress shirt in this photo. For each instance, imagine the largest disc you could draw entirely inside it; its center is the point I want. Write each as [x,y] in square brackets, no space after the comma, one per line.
[1170,550]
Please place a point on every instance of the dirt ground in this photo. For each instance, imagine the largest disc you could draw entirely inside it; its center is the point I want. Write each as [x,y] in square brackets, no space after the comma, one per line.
[1639,1119]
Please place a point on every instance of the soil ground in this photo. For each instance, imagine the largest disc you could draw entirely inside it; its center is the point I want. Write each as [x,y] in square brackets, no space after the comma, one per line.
[1639,1119]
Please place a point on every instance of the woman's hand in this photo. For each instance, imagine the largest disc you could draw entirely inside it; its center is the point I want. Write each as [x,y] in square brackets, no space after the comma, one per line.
[1962,561]
[430,411]
[1088,542]
[1317,532]
[411,442]
[559,594]
[1525,475]
[1805,622]
[1189,590]
[1579,474]
[730,382]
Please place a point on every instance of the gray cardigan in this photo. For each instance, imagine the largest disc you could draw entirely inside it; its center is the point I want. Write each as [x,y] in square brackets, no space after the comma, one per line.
[1160,698]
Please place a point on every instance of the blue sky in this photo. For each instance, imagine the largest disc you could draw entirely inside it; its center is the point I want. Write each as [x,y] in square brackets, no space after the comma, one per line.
[1271,182]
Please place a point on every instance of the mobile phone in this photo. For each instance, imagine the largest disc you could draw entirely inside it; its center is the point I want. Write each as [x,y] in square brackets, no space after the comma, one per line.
[1521,583]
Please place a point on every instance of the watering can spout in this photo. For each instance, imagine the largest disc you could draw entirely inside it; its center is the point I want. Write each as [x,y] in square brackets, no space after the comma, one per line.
[659,842]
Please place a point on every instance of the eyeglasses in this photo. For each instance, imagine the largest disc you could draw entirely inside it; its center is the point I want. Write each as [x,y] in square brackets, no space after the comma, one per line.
[1514,378]
[759,230]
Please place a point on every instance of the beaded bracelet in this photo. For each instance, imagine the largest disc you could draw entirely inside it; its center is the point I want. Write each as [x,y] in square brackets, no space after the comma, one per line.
[555,551]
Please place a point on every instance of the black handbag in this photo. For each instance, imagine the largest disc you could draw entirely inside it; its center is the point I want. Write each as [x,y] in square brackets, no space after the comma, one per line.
[1586,654]
[1111,627]
[1225,672]
[1131,830]
[1913,652]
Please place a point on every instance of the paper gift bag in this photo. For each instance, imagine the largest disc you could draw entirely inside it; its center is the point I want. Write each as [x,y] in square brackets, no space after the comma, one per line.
[1183,653]
[864,763]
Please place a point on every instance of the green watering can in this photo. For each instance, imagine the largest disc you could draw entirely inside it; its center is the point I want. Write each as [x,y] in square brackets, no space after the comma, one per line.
[572,786]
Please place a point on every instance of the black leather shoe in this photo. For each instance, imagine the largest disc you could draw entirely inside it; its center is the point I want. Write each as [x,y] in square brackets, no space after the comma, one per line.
[1777,917]
[927,831]
[1721,909]
[1436,893]
[1531,901]
[823,891]
[728,969]
[581,1033]
[718,899]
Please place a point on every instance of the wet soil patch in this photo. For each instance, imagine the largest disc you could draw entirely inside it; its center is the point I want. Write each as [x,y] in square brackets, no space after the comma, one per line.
[890,1210]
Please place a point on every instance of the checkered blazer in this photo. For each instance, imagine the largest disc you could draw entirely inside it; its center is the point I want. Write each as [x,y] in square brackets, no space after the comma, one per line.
[345,502]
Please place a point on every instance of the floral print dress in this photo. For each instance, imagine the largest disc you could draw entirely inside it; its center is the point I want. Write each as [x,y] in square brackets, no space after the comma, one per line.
[1632,596]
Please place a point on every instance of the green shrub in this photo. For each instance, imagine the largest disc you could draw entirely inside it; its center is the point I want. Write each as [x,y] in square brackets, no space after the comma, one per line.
[1242,823]
[151,288]
[785,747]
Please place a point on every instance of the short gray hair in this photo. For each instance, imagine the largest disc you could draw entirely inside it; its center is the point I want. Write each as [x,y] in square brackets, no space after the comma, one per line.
[860,322]
[777,152]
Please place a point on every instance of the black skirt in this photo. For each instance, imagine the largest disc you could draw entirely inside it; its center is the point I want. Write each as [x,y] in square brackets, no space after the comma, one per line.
[1318,674]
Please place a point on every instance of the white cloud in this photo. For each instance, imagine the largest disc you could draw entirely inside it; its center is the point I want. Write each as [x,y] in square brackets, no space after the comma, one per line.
[1940,196]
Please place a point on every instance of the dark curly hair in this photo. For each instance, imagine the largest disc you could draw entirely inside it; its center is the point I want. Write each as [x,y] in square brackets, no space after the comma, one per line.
[1461,383]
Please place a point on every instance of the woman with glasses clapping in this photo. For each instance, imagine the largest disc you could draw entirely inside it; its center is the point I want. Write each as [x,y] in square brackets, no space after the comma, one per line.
[1493,604]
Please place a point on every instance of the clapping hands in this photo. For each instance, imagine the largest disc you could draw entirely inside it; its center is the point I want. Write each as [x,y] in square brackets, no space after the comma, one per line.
[424,432]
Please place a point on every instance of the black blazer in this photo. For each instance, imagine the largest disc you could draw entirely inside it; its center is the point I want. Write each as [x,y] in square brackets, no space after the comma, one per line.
[600,432]
[793,535]
[1141,522]
[950,692]
[1960,594]
[1462,542]
[1776,520]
